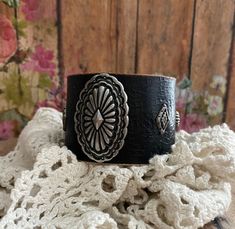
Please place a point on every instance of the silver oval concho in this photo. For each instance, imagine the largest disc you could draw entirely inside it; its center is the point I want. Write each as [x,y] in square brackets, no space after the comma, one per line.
[101,117]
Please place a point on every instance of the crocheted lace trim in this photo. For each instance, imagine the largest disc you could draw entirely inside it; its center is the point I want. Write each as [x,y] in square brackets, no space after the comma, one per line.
[43,185]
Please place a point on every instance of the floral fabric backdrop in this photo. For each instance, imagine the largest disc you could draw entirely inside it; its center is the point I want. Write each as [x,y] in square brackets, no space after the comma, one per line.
[30,76]
[199,110]
[28,64]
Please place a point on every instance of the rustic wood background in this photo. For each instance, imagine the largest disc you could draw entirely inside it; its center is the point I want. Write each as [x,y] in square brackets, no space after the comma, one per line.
[193,38]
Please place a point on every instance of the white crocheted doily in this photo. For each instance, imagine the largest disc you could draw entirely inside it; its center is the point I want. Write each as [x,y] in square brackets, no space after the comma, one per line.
[43,185]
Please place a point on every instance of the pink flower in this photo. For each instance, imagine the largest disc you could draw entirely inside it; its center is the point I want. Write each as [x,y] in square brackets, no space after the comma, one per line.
[36,10]
[31,9]
[192,122]
[6,130]
[8,41]
[41,61]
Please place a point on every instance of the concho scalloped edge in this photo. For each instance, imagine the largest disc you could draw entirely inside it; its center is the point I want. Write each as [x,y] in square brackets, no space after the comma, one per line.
[101,117]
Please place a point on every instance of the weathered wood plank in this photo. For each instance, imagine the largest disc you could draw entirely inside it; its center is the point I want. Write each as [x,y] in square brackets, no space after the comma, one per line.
[212,39]
[126,35]
[230,106]
[89,35]
[164,36]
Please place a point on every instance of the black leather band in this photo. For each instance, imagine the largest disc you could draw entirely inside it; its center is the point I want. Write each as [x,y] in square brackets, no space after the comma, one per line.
[137,122]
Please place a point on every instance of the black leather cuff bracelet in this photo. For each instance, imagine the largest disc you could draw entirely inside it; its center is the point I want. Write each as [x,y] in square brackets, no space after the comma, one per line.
[119,118]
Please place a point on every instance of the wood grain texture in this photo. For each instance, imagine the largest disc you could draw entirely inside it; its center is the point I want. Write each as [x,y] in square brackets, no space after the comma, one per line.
[89,35]
[164,36]
[230,106]
[126,35]
[212,40]
[99,36]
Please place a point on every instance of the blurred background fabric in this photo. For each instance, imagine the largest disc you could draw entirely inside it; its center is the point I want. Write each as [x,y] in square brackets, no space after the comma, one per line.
[42,42]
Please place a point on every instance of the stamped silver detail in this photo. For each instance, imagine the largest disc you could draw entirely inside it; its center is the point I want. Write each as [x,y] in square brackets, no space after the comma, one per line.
[97,119]
[101,117]
[162,119]
[177,119]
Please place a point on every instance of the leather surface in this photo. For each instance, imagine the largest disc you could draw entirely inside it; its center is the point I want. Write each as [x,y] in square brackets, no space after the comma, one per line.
[146,96]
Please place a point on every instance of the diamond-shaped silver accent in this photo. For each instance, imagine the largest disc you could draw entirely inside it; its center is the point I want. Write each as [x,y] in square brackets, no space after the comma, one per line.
[163,119]
[97,119]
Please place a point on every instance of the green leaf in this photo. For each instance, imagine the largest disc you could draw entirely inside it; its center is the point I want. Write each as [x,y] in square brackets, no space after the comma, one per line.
[185,83]
[20,25]
[44,81]
[17,90]
[12,3]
